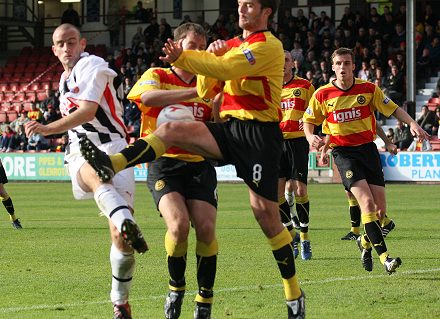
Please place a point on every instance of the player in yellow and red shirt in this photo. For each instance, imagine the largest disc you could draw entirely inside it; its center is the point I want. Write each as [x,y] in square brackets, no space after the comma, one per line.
[294,168]
[183,185]
[249,71]
[348,105]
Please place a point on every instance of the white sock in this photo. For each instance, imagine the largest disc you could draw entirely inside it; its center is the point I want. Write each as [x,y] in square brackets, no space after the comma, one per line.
[112,205]
[122,272]
[289,197]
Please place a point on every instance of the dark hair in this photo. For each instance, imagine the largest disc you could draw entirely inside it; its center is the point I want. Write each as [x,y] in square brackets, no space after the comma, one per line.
[272,4]
[342,51]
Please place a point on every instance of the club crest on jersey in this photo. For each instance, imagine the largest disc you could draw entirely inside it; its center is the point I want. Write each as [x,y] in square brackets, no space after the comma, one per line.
[249,56]
[361,99]
[349,174]
[159,185]
[297,92]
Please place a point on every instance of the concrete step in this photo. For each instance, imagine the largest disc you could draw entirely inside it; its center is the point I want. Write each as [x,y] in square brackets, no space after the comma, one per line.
[430,85]
[434,79]
[427,92]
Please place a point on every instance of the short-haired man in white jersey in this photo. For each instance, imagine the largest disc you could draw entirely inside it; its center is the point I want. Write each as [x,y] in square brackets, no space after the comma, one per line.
[90,107]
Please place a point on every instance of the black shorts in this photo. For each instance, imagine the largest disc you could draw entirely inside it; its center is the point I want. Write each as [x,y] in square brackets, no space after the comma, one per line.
[193,180]
[359,162]
[254,148]
[3,177]
[295,159]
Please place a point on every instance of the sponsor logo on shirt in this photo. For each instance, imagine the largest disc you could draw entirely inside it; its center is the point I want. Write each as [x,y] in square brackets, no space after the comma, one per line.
[347,115]
[249,56]
[147,82]
[288,104]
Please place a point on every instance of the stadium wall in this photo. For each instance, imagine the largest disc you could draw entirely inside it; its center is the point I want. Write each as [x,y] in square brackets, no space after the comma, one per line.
[404,167]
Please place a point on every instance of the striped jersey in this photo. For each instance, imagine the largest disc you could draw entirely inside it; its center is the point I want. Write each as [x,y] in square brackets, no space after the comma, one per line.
[295,97]
[250,74]
[349,114]
[92,80]
[167,79]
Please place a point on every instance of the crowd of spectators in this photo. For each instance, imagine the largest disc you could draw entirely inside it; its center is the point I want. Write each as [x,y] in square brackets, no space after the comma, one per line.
[13,137]
[378,41]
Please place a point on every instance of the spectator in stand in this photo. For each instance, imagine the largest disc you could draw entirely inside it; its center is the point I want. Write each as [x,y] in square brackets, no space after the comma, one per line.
[7,139]
[402,136]
[379,55]
[300,20]
[390,134]
[435,128]
[297,51]
[400,16]
[35,113]
[50,101]
[312,18]
[388,27]
[186,19]
[397,38]
[423,65]
[51,115]
[365,72]
[428,16]
[151,32]
[348,15]
[298,70]
[168,30]
[71,16]
[137,38]
[20,140]
[64,142]
[19,121]
[434,51]
[140,67]
[37,142]
[349,40]
[426,120]
[362,37]
[395,85]
[230,25]
[141,13]
[327,28]
[163,36]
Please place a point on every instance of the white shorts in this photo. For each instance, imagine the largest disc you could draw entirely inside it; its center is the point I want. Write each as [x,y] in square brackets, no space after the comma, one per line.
[123,181]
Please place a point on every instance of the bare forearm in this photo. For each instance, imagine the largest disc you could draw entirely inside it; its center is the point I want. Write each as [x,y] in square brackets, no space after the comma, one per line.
[166,97]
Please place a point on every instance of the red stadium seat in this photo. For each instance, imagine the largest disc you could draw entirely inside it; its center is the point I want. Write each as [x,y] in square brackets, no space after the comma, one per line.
[30,96]
[3,117]
[4,86]
[11,115]
[41,95]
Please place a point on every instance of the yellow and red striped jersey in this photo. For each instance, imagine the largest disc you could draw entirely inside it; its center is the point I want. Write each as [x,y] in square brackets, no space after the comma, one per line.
[295,98]
[349,114]
[166,79]
[252,72]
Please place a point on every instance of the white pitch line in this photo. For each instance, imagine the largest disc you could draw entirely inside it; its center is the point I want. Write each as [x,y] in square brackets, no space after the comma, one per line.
[243,288]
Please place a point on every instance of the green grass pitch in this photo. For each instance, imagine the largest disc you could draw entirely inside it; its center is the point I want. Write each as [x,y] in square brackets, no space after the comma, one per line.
[57,266]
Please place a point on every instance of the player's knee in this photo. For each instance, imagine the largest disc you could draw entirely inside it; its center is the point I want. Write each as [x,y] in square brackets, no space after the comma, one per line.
[179,231]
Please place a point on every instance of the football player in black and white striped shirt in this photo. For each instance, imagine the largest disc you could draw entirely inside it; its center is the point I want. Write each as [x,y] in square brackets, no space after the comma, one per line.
[90,107]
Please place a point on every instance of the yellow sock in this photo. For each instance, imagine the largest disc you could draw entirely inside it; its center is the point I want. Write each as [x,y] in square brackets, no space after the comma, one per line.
[383,257]
[12,217]
[291,288]
[304,236]
[365,243]
[119,162]
[385,221]
[356,230]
